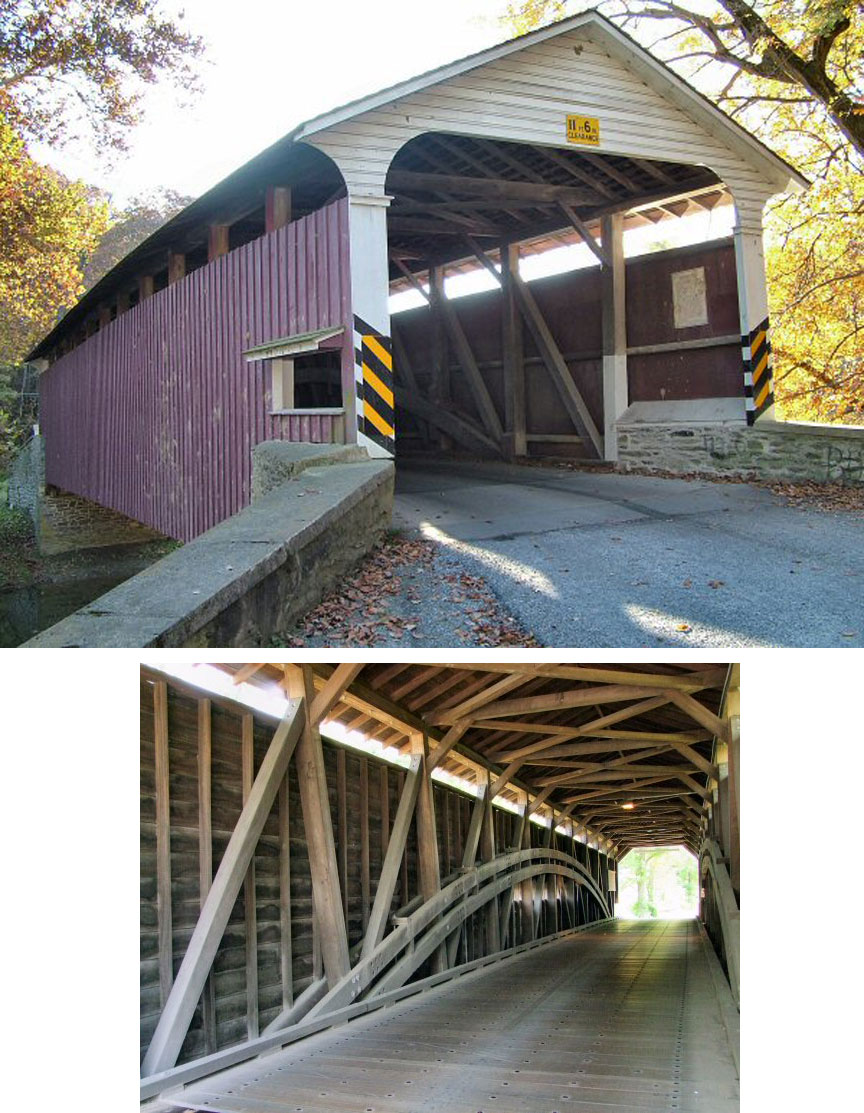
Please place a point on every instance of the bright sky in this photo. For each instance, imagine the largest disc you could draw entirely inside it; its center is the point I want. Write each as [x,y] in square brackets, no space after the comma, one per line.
[270,66]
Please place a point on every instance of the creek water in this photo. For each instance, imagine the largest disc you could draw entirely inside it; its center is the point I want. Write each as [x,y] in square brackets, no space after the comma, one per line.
[24,611]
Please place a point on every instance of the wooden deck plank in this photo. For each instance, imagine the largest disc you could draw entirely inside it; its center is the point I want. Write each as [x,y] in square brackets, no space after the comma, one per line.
[621,1017]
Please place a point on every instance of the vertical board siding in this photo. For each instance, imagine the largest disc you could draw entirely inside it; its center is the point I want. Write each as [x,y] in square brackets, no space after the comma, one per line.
[157,413]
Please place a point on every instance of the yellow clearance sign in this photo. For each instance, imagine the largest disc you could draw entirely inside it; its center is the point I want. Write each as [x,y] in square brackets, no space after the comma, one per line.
[583,129]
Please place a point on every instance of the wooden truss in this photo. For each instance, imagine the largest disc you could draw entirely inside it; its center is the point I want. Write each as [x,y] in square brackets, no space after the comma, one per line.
[512,878]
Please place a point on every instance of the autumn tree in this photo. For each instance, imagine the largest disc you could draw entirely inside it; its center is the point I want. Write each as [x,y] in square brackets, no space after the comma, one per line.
[792,71]
[67,68]
[130,225]
[65,64]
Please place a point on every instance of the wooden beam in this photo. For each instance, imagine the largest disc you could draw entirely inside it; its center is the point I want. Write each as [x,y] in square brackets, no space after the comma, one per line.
[455,425]
[217,241]
[163,841]
[468,708]
[499,190]
[286,949]
[504,779]
[558,370]
[145,287]
[332,691]
[428,867]
[700,713]
[205,854]
[513,356]
[581,227]
[342,835]
[178,1011]
[365,880]
[447,743]
[555,701]
[320,844]
[614,329]
[244,673]
[476,383]
[393,858]
[250,914]
[176,267]
[277,208]
[684,682]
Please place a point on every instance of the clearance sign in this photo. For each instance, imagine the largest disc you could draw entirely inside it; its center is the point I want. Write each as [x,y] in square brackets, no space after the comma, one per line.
[583,129]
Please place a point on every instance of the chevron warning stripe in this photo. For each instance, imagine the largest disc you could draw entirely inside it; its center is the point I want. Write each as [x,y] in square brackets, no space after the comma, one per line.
[375,415]
[758,371]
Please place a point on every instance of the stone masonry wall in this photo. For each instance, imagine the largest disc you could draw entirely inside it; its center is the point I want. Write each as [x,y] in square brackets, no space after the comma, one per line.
[769,450]
[27,478]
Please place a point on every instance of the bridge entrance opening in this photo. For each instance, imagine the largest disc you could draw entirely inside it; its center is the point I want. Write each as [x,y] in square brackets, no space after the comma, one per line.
[658,883]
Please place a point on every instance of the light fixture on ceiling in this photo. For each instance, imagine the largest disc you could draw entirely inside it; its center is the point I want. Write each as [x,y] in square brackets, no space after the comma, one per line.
[628,807]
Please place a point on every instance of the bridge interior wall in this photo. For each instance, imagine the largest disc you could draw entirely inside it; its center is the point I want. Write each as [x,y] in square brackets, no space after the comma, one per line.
[571,305]
[271,928]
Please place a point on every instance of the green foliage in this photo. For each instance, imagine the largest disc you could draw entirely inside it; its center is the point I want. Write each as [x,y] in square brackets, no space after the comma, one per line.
[47,227]
[791,71]
[662,878]
[18,411]
[65,62]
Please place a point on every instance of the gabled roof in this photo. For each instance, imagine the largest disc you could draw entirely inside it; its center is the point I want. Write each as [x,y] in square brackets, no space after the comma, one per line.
[290,151]
[650,69]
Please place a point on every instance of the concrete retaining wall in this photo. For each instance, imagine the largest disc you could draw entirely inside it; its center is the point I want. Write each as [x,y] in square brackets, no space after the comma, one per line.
[769,450]
[27,477]
[251,576]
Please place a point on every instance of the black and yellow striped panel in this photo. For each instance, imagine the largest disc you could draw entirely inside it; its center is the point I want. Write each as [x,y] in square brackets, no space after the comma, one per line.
[758,371]
[375,402]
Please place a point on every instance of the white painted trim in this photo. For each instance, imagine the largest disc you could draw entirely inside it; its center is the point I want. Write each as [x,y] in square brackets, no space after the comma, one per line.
[655,73]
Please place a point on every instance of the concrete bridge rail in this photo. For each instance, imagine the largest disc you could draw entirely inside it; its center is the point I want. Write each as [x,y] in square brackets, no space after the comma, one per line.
[316,511]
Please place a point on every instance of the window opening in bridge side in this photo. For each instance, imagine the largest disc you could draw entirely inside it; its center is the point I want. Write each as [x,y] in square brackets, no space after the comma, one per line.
[658,883]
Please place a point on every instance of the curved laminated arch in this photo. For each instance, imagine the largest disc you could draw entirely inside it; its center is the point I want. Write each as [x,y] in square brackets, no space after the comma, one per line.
[428,926]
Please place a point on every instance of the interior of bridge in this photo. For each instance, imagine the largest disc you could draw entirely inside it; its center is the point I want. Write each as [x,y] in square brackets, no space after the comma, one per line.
[476,818]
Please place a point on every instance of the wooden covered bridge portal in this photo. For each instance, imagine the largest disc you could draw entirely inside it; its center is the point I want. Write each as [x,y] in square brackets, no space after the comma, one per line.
[261,312]
[395,889]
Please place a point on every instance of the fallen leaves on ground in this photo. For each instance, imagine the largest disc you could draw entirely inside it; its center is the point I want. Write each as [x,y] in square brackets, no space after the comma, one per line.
[362,612]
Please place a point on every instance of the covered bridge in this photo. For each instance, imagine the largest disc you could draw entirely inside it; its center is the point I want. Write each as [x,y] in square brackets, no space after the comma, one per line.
[392,887]
[262,311]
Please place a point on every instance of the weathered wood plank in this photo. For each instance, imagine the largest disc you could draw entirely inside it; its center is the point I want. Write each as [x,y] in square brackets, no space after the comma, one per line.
[177,1013]
[249,904]
[163,841]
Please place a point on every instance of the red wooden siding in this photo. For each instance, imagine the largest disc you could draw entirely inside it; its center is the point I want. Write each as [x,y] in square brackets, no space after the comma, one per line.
[156,414]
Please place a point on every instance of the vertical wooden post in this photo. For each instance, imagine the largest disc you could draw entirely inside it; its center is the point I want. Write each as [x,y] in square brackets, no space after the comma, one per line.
[612,284]
[205,854]
[217,241]
[250,910]
[515,440]
[440,386]
[191,977]
[176,267]
[145,287]
[428,865]
[493,938]
[277,207]
[122,302]
[342,840]
[326,894]
[733,712]
[384,798]
[365,883]
[163,841]
[286,957]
